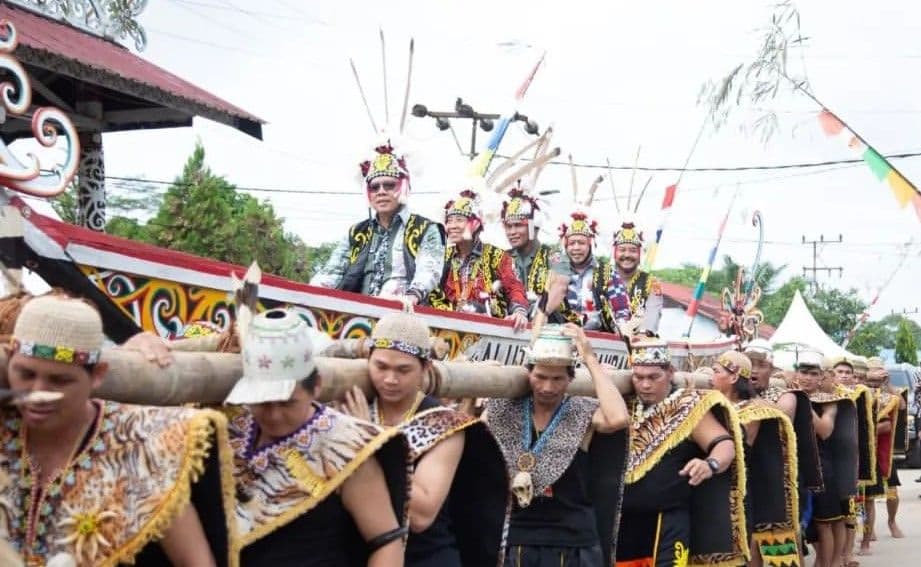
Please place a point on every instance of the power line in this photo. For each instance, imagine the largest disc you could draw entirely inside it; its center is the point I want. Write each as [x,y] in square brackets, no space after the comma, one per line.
[772,167]
[254,189]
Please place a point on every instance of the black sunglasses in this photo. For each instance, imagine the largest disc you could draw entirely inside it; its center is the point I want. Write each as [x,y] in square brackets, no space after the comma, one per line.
[382,186]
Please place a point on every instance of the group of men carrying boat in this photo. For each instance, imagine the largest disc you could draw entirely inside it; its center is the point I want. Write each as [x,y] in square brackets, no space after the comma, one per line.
[741,471]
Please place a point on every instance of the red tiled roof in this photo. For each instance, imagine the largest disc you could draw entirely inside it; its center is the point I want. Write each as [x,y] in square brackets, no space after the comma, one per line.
[116,66]
[709,307]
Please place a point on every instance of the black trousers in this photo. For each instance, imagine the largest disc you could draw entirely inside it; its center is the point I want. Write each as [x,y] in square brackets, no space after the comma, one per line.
[548,556]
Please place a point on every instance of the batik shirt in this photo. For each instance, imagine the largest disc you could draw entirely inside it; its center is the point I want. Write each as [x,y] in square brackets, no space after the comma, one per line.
[385,271]
[580,297]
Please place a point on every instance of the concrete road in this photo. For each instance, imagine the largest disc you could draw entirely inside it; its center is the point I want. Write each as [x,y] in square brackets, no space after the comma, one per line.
[889,552]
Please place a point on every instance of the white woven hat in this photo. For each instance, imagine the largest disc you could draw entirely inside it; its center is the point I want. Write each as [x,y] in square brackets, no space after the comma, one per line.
[59,328]
[806,357]
[760,348]
[278,353]
[552,348]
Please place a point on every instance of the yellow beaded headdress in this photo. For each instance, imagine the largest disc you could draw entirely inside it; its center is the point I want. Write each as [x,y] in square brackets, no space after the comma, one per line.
[580,224]
[628,234]
[386,162]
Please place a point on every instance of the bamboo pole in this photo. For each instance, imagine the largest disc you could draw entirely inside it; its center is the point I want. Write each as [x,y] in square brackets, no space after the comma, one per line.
[207,378]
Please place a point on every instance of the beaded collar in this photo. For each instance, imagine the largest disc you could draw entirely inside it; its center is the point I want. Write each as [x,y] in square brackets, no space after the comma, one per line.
[40,502]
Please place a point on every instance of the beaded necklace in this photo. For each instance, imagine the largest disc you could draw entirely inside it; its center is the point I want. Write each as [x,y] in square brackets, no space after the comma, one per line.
[377,415]
[40,501]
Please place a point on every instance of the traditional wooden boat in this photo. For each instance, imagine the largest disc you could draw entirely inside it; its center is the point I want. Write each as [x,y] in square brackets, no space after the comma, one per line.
[142,287]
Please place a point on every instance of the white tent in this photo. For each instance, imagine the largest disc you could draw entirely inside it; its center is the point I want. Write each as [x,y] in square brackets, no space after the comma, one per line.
[797,330]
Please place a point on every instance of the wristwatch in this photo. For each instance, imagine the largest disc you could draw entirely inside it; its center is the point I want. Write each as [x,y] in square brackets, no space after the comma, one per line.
[713,464]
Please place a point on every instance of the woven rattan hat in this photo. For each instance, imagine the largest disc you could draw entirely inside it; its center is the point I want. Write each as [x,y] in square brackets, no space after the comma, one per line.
[737,363]
[278,352]
[552,348]
[859,363]
[59,328]
[403,332]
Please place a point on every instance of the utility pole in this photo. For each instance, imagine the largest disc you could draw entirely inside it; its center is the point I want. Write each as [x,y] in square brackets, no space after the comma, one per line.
[815,269]
[483,121]
[906,311]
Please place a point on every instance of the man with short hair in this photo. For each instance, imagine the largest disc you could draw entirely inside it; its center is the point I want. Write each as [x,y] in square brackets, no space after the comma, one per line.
[459,495]
[101,482]
[643,289]
[596,297]
[796,406]
[395,253]
[565,456]
[685,469]
[835,424]
[887,405]
[315,487]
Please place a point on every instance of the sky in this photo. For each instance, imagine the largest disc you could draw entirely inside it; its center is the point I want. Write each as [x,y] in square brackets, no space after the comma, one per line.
[617,77]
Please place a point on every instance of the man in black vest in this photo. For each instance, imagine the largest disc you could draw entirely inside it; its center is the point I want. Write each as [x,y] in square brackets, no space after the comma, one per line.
[394,254]
[643,289]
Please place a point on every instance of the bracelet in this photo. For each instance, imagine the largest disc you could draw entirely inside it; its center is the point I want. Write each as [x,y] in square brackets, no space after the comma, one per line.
[380,541]
[717,441]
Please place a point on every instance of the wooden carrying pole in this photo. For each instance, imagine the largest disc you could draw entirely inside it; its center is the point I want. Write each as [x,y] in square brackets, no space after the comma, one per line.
[207,378]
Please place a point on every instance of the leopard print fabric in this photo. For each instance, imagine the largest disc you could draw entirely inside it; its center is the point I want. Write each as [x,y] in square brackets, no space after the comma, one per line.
[773,393]
[427,429]
[506,421]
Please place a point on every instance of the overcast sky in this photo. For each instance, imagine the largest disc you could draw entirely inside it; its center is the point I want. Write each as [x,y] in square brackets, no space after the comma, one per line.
[617,76]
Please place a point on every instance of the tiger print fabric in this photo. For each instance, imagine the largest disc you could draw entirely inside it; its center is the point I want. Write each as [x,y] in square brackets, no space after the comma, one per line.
[284,480]
[122,491]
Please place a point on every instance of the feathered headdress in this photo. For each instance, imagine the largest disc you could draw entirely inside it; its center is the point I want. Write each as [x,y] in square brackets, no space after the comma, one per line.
[519,206]
[385,163]
[467,205]
[579,224]
[628,234]
[579,221]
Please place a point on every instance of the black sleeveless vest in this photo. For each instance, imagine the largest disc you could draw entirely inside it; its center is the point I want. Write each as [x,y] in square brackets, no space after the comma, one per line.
[360,236]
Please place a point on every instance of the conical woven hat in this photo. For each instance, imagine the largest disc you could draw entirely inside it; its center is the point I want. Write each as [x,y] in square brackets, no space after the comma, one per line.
[59,328]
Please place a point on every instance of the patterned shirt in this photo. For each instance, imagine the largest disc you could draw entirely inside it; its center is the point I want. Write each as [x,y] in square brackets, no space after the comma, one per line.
[385,269]
[466,287]
[580,297]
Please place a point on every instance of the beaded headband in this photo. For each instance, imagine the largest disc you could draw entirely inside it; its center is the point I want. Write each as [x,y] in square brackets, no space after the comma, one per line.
[401,346]
[63,354]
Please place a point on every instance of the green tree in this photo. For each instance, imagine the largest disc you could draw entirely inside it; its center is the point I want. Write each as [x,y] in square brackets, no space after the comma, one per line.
[775,305]
[127,199]
[871,338]
[906,348]
[202,213]
[720,278]
[835,311]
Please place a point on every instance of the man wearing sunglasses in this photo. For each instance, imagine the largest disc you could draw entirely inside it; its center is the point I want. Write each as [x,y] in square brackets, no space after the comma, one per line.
[396,253]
